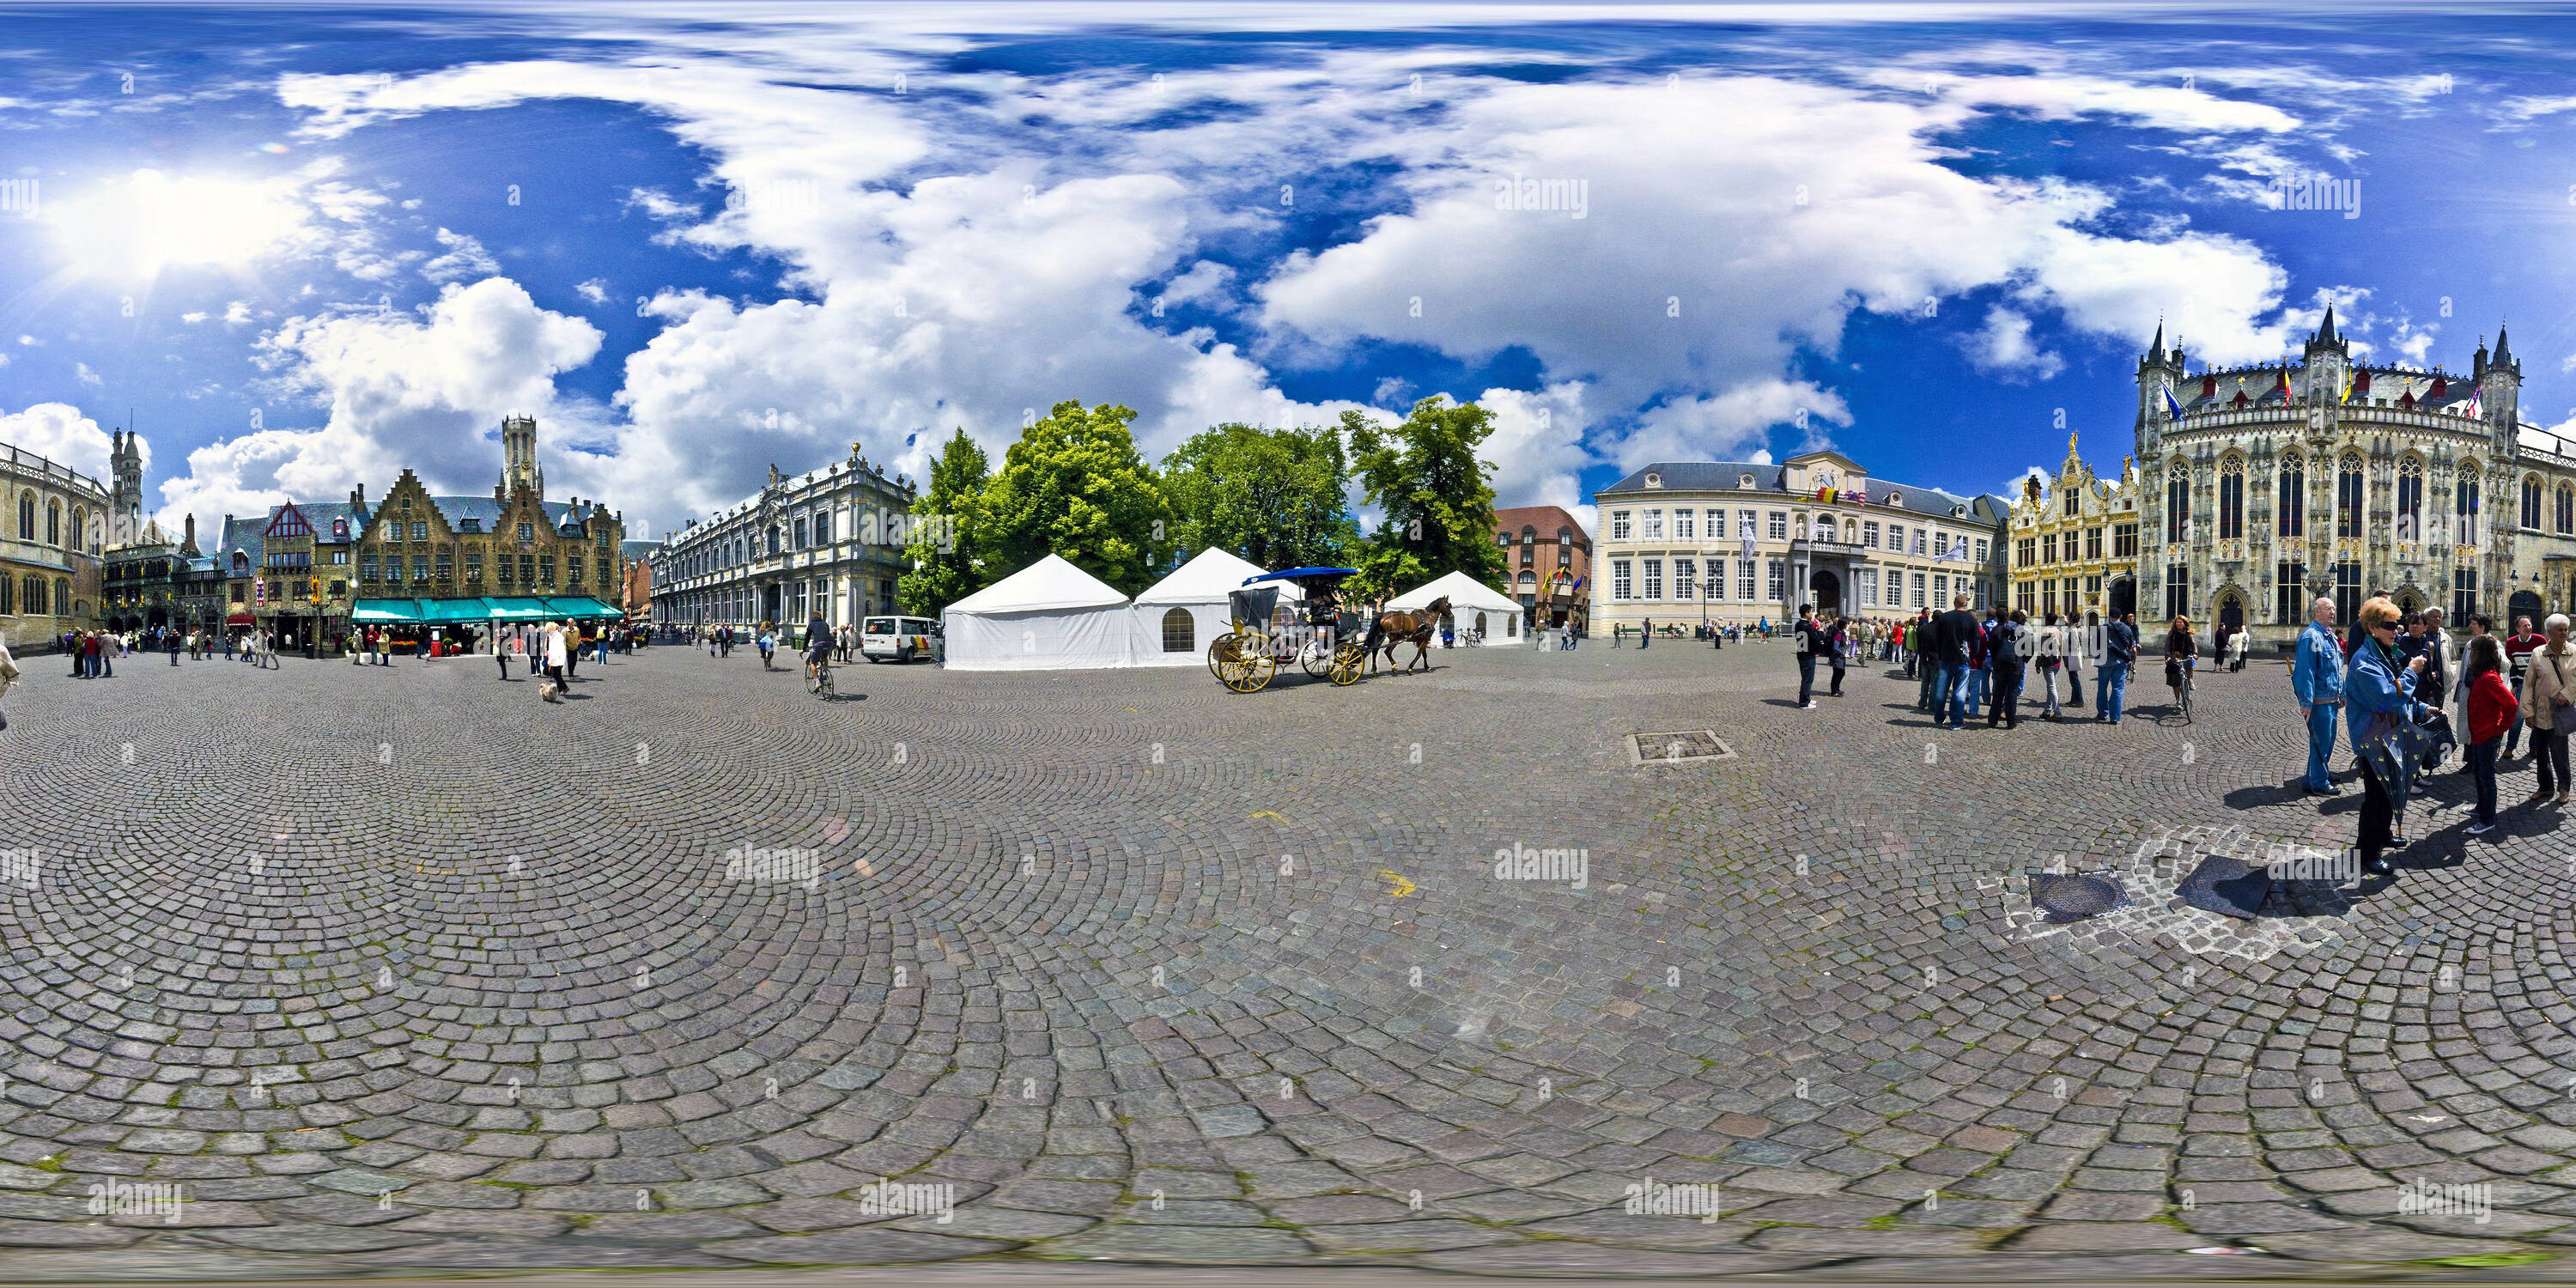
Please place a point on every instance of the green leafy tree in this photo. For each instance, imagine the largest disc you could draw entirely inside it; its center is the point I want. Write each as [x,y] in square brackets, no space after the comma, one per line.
[943,552]
[1437,496]
[1273,496]
[1074,486]
[1384,572]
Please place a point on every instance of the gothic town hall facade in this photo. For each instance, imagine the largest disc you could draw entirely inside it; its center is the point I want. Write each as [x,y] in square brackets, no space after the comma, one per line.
[2264,488]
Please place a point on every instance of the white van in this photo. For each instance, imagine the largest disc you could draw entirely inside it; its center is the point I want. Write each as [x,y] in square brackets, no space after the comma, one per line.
[899,638]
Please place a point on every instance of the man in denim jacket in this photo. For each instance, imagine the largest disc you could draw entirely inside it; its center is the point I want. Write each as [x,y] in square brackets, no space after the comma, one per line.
[2316,675]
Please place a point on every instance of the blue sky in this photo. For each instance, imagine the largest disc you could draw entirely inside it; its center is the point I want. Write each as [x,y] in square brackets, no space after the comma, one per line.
[311,246]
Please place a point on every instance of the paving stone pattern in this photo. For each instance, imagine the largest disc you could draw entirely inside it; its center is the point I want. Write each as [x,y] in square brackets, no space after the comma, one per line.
[398,970]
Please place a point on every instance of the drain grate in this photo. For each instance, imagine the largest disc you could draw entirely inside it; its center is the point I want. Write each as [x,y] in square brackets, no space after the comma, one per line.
[1677,748]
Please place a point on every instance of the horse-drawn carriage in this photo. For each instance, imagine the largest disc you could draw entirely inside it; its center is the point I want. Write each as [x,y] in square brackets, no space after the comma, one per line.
[1323,638]
[1331,640]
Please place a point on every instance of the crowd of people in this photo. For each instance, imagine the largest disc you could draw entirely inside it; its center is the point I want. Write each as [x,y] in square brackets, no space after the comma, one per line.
[2390,685]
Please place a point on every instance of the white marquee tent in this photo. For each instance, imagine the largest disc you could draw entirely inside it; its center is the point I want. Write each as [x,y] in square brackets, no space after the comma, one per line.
[1176,619]
[1049,616]
[1472,603]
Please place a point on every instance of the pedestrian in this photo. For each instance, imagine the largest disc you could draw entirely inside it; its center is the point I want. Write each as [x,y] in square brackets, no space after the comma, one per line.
[711,644]
[2517,655]
[766,642]
[501,655]
[557,658]
[2048,657]
[2546,700]
[229,641]
[2491,706]
[2081,641]
[2237,644]
[1981,665]
[1811,642]
[2119,653]
[1957,637]
[1923,664]
[8,676]
[1644,637]
[170,640]
[2182,650]
[2007,648]
[2316,676]
[1843,644]
[2380,712]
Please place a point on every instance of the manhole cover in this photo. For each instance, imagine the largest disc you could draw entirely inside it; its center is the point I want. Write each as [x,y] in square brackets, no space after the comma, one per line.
[1676,748]
[2074,898]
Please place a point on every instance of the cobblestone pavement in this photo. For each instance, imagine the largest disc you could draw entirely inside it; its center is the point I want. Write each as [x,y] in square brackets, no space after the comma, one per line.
[400,971]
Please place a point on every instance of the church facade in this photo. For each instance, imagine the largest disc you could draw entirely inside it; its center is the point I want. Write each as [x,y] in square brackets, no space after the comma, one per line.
[2264,488]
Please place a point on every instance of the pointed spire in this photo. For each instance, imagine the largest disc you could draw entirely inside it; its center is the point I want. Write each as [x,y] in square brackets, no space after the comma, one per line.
[2326,329]
[2156,351]
[2504,349]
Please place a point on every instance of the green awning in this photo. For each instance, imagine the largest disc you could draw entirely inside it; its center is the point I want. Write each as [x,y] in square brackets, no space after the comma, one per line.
[517,609]
[399,612]
[442,611]
[582,606]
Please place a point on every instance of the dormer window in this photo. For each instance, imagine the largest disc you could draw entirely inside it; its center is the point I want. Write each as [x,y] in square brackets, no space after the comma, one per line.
[1654,479]
[1744,481]
[1896,498]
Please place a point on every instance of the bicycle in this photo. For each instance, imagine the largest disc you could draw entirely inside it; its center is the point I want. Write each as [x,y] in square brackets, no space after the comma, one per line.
[818,679]
[2188,665]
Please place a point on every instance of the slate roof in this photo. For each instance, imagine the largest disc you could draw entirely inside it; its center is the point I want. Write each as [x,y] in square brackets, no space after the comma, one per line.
[485,511]
[1722,476]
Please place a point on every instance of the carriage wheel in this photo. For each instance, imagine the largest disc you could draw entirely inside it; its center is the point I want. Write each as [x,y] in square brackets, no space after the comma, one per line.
[1346,664]
[1318,662]
[1250,672]
[1219,653]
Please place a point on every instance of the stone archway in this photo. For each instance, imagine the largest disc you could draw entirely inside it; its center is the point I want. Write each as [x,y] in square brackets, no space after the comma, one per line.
[2230,610]
[2124,597]
[1825,591]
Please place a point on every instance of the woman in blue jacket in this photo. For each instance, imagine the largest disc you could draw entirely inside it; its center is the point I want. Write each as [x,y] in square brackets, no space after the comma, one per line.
[2381,712]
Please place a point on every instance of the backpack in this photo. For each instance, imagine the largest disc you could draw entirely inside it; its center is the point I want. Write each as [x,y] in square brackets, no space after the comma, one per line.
[2008,641]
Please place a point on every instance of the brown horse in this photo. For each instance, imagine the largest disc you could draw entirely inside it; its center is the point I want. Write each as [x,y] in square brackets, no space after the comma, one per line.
[1414,627]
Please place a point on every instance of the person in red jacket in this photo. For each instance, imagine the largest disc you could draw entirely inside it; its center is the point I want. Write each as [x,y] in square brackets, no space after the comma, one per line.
[2491,709]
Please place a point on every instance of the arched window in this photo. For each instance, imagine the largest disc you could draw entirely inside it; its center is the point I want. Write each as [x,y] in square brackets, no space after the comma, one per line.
[2177,502]
[8,598]
[2410,500]
[1480,625]
[2531,502]
[35,587]
[80,529]
[26,516]
[1180,632]
[2291,485]
[2465,503]
[2231,498]
[63,595]
[2348,497]
[53,523]
[773,538]
[2564,520]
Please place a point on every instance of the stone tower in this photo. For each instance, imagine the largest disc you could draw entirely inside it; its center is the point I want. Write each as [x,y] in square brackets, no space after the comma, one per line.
[125,495]
[2500,393]
[2159,371]
[519,466]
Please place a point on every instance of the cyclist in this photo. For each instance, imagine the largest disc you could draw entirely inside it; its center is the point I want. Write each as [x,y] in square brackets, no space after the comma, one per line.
[2181,651]
[818,647]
